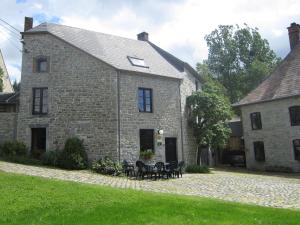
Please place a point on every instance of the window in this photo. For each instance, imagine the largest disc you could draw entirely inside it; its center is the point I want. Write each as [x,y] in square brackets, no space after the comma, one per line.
[146,139]
[41,64]
[145,100]
[296,144]
[255,121]
[295,115]
[259,151]
[137,62]
[40,101]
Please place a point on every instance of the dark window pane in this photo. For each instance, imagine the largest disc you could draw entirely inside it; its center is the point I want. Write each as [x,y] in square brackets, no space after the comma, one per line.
[295,115]
[42,65]
[259,151]
[256,121]
[146,139]
[145,100]
[40,101]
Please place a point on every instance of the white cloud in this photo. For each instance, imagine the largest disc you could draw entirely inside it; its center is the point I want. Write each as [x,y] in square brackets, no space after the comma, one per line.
[177,26]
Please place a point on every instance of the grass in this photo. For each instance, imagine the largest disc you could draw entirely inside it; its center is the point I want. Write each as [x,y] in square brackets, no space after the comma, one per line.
[32,200]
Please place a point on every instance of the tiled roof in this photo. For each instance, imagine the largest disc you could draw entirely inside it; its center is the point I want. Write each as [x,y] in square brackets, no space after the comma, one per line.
[113,50]
[282,83]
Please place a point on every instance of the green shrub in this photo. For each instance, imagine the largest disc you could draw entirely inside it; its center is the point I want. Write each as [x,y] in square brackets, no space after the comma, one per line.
[197,169]
[146,154]
[22,159]
[51,158]
[73,155]
[13,148]
[107,167]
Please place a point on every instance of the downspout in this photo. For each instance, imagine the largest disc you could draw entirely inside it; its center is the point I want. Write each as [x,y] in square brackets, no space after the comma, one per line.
[181,121]
[118,108]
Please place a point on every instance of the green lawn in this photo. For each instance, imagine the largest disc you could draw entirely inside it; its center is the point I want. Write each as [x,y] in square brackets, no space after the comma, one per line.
[32,200]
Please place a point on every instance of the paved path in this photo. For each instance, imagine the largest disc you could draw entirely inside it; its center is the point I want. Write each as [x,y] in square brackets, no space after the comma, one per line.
[273,190]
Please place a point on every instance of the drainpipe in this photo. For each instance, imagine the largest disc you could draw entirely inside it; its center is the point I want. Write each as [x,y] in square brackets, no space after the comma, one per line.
[181,121]
[118,108]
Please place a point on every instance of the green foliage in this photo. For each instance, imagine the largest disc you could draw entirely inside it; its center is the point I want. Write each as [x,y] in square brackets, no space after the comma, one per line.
[209,111]
[239,58]
[197,169]
[1,79]
[22,159]
[16,86]
[13,148]
[107,167]
[73,155]
[146,154]
[51,158]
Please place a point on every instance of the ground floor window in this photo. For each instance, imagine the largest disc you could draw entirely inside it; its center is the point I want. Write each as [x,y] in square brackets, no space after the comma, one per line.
[296,144]
[146,139]
[259,151]
[38,142]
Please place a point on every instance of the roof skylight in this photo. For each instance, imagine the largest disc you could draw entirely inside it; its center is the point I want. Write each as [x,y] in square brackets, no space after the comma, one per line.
[137,62]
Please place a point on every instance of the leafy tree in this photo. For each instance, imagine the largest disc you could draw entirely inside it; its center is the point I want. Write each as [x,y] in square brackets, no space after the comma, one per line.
[239,58]
[16,86]
[210,111]
[1,80]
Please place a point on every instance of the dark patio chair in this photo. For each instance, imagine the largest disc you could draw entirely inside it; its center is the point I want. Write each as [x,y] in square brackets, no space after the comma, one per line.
[128,169]
[141,169]
[159,169]
[179,169]
[170,170]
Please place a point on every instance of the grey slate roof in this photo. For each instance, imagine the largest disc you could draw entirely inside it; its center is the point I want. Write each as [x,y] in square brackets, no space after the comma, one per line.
[8,98]
[284,82]
[114,50]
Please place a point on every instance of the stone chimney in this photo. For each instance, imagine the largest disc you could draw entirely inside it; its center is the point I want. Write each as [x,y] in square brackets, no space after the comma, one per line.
[143,36]
[28,22]
[294,31]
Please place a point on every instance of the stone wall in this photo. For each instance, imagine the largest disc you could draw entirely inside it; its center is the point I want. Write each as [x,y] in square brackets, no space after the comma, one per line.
[276,133]
[82,97]
[188,85]
[165,115]
[7,126]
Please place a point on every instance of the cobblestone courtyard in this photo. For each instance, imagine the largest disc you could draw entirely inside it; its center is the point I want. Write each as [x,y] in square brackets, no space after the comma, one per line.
[276,190]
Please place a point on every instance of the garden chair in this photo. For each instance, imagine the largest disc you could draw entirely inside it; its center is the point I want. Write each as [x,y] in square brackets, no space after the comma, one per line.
[128,169]
[170,171]
[178,169]
[141,169]
[159,169]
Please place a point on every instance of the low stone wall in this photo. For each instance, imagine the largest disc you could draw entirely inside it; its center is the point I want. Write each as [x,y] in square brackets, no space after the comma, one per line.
[7,126]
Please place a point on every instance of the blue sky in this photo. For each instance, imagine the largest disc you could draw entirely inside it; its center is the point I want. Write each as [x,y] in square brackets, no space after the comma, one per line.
[178,26]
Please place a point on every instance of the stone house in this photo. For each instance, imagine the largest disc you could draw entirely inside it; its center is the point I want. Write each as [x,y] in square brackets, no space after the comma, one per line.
[271,115]
[117,94]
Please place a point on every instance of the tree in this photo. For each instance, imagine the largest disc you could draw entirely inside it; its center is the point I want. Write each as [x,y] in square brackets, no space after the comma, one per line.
[239,58]
[210,111]
[1,79]
[16,86]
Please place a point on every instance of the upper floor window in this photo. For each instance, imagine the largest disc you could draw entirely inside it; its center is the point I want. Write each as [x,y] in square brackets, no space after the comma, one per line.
[295,115]
[259,151]
[41,64]
[296,144]
[255,121]
[145,100]
[40,101]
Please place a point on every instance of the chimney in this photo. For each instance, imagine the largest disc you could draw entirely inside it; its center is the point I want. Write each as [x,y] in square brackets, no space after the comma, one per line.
[143,36]
[28,23]
[294,31]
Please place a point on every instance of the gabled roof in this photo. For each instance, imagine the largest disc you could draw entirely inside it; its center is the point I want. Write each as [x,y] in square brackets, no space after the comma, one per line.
[284,82]
[113,50]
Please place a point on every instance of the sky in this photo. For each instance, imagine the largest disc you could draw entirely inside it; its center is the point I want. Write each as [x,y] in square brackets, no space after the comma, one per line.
[178,26]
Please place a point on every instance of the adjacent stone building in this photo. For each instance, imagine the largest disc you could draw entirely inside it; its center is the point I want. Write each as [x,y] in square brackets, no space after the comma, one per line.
[117,94]
[271,115]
